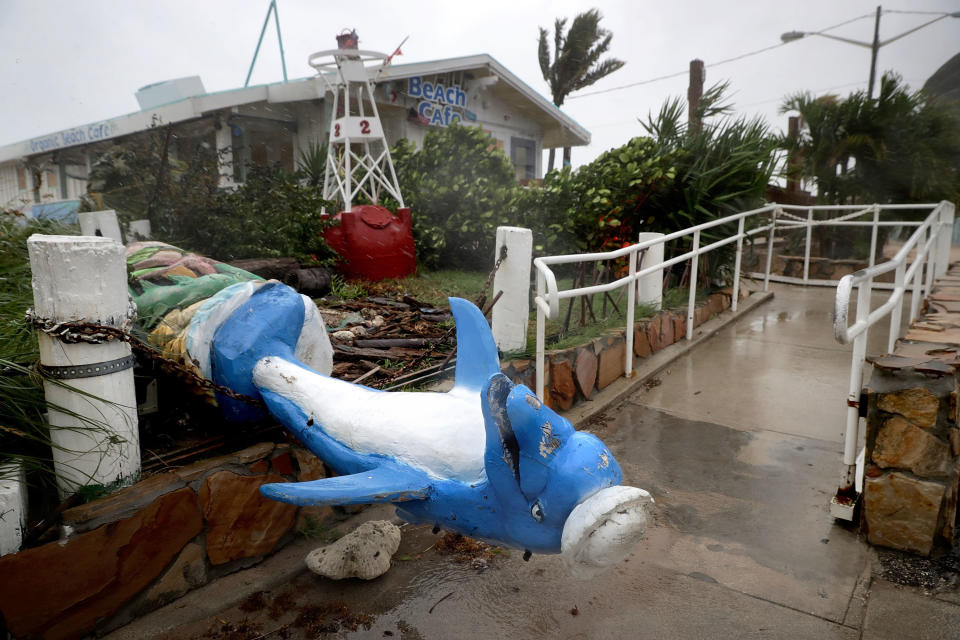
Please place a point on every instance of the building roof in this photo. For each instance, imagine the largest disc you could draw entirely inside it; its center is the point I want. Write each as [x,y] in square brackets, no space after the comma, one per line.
[559,128]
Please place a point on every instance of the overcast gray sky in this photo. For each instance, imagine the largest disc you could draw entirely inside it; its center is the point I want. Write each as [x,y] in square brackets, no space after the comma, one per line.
[68,63]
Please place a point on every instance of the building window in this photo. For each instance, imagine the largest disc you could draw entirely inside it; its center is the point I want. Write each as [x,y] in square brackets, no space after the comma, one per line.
[260,142]
[22,178]
[523,154]
[53,180]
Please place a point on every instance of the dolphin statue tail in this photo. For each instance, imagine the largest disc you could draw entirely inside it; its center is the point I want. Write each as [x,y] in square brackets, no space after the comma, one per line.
[486,459]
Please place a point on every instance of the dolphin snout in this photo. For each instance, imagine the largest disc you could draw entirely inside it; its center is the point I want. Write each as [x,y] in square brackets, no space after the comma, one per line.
[604,528]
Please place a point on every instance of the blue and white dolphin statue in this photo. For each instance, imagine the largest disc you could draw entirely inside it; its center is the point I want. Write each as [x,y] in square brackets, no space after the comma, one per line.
[486,459]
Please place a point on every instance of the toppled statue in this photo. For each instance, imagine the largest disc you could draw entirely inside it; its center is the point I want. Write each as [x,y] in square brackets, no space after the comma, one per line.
[486,459]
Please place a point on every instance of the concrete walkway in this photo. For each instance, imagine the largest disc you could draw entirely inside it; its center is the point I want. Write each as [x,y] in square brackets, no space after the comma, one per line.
[738,440]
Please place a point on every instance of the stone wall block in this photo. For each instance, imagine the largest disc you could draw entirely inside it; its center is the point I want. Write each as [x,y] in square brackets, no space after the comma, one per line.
[187,572]
[121,504]
[311,467]
[902,445]
[258,451]
[948,514]
[585,368]
[667,336]
[240,522]
[611,364]
[679,325]
[653,333]
[701,313]
[918,405]
[62,590]
[715,302]
[641,340]
[562,388]
[902,512]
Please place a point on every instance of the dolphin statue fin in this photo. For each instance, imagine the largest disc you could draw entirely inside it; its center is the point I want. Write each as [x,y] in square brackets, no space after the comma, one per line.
[387,483]
[477,355]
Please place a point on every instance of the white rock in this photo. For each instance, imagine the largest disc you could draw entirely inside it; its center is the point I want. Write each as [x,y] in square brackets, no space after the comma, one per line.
[359,331]
[343,336]
[363,553]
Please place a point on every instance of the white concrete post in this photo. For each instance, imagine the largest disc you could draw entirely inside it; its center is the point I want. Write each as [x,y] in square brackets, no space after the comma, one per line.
[138,230]
[100,223]
[94,421]
[511,314]
[225,153]
[945,239]
[13,507]
[650,286]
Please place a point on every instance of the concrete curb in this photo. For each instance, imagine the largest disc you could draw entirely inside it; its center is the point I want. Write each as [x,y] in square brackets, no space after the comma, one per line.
[647,368]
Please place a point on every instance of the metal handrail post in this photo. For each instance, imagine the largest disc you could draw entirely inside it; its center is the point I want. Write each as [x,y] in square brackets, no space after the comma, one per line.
[873,235]
[915,296]
[736,267]
[631,304]
[692,300]
[933,239]
[849,472]
[871,259]
[897,311]
[806,251]
[773,228]
[541,335]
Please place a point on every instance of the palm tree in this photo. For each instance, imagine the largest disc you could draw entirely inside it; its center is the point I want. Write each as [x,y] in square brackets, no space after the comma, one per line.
[576,59]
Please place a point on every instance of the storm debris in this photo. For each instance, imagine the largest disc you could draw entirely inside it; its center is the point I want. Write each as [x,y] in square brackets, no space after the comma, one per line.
[467,550]
[330,618]
[378,339]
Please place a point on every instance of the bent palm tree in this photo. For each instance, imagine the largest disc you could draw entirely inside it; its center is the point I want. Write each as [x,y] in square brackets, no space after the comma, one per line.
[576,59]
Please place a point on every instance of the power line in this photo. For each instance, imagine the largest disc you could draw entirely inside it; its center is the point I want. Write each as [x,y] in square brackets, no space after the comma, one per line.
[714,64]
[919,13]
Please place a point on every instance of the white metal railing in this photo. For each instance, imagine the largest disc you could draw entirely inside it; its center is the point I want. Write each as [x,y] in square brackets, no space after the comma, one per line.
[927,249]
[924,256]
[548,295]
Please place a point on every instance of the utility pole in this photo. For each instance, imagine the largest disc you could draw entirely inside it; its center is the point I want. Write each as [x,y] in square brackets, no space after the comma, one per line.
[793,162]
[874,48]
[694,93]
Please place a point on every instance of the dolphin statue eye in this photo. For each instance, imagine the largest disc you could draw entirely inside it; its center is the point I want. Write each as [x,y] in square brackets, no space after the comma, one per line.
[537,511]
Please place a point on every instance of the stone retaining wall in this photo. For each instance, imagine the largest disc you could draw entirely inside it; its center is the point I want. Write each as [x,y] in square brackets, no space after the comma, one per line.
[912,435]
[150,543]
[575,373]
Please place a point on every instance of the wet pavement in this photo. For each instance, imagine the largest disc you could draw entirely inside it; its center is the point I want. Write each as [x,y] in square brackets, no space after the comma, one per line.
[739,444]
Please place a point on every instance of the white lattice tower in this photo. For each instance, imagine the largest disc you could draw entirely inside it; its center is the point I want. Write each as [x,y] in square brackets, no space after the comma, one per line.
[358,157]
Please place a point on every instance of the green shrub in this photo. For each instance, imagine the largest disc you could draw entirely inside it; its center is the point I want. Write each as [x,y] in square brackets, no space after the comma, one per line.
[459,188]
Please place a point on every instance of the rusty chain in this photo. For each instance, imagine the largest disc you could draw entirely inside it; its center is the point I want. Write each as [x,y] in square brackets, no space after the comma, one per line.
[73,332]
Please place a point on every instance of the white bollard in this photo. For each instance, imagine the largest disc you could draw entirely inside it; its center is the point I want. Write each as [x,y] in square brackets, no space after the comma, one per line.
[13,507]
[511,314]
[100,223]
[94,427]
[650,286]
[138,230]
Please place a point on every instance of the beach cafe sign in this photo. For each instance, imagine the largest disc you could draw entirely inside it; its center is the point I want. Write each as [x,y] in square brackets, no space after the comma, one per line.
[71,137]
[439,104]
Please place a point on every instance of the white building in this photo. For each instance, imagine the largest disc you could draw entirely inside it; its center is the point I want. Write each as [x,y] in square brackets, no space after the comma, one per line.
[274,123]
